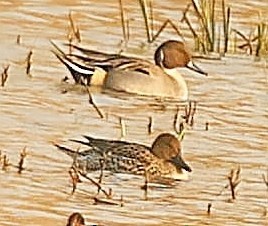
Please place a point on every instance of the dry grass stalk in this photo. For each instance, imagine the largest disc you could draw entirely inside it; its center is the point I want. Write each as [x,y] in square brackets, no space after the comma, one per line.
[205,13]
[124,22]
[234,180]
[176,116]
[181,131]
[75,178]
[121,201]
[18,39]
[187,21]
[193,113]
[248,41]
[226,25]
[23,154]
[190,110]
[4,76]
[74,28]
[145,186]
[92,102]
[29,62]
[265,212]
[234,41]
[187,112]
[106,202]
[218,44]
[150,125]
[207,124]
[146,16]
[122,127]
[151,13]
[209,208]
[70,40]
[265,179]
[167,22]
[110,192]
[147,11]
[262,41]
[96,184]
[5,162]
[102,166]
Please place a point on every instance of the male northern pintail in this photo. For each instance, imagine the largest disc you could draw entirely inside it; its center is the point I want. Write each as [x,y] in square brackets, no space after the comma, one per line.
[163,159]
[130,74]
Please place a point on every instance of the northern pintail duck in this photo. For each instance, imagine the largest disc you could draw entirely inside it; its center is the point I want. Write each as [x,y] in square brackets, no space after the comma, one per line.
[130,74]
[163,159]
[76,219]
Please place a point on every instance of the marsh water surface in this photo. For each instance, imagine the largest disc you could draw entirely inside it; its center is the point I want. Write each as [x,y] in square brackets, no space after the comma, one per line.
[35,112]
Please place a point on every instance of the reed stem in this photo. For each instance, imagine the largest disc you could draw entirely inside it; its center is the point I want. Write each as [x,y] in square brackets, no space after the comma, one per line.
[123,22]
[144,8]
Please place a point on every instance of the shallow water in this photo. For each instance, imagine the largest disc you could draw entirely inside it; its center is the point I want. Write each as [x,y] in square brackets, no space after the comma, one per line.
[35,112]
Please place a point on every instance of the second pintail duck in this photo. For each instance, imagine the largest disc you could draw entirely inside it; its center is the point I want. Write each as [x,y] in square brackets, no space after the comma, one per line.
[163,159]
[131,74]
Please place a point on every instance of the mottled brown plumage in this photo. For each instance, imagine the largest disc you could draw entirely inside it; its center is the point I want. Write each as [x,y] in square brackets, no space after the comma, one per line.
[163,159]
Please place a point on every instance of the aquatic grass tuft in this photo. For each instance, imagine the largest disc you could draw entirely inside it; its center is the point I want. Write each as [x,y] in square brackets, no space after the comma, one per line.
[186,120]
[256,42]
[262,40]
[205,11]
[197,39]
[4,161]
[207,35]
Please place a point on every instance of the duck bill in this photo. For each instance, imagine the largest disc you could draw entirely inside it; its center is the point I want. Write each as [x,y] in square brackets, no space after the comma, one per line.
[179,162]
[192,66]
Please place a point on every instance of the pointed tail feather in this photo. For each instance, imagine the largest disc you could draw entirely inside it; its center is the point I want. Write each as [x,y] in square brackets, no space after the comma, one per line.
[80,142]
[67,151]
[97,55]
[81,74]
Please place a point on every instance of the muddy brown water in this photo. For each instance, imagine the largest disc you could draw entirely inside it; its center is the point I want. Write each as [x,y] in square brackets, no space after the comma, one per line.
[34,112]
